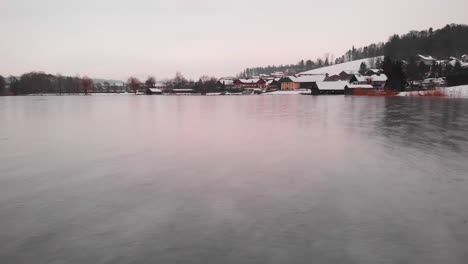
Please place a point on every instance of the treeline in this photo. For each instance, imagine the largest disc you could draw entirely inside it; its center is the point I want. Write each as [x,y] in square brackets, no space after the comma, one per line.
[205,84]
[40,82]
[300,66]
[451,40]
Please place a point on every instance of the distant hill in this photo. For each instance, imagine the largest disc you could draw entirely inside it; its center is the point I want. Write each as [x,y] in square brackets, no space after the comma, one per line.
[346,66]
[451,40]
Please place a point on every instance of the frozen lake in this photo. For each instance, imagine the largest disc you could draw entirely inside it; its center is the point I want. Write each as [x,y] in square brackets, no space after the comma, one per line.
[246,179]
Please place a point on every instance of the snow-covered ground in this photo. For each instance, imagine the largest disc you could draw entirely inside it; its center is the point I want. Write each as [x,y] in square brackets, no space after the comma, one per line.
[296,92]
[454,91]
[346,66]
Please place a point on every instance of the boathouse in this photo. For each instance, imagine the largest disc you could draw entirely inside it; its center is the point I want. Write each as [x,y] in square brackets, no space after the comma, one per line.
[358,89]
[151,91]
[329,87]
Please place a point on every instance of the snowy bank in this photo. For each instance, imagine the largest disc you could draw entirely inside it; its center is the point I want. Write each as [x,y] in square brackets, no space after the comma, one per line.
[295,92]
[454,91]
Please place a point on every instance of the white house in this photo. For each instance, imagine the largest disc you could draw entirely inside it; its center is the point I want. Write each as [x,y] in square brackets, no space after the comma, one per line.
[377,80]
[150,91]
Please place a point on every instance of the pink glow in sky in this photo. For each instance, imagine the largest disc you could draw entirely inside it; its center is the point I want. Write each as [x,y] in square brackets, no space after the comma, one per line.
[116,39]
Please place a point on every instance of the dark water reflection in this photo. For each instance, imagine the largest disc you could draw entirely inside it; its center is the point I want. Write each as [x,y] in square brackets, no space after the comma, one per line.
[255,179]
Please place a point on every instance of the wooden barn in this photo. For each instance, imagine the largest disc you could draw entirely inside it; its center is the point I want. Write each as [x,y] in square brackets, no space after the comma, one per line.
[329,87]
[151,91]
[300,82]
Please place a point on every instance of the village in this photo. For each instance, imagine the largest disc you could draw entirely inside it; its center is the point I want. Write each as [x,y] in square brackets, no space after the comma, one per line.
[344,78]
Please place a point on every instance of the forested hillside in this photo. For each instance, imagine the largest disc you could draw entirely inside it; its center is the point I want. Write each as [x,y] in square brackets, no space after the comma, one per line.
[451,40]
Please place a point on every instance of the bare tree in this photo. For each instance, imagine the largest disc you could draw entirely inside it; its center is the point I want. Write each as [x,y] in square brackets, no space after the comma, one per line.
[134,84]
[86,84]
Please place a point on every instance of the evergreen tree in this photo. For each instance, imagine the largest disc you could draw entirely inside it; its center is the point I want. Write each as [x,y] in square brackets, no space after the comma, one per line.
[422,69]
[150,82]
[363,68]
[412,70]
[396,76]
[319,62]
[2,85]
[457,69]
[448,69]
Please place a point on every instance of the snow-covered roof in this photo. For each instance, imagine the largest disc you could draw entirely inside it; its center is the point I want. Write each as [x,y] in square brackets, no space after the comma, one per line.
[227,82]
[454,61]
[182,90]
[374,78]
[155,90]
[277,74]
[338,85]
[336,69]
[360,86]
[429,58]
[253,80]
[379,77]
[360,78]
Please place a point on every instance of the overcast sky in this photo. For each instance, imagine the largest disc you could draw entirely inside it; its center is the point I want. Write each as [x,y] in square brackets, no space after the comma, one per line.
[116,39]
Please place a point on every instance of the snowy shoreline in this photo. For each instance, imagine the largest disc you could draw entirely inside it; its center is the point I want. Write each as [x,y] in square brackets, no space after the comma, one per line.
[452,92]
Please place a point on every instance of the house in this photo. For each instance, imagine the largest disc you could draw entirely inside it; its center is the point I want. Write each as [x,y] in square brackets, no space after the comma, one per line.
[351,89]
[464,58]
[225,84]
[427,60]
[151,91]
[453,61]
[277,74]
[300,82]
[273,85]
[161,86]
[378,81]
[249,83]
[329,87]
[371,72]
